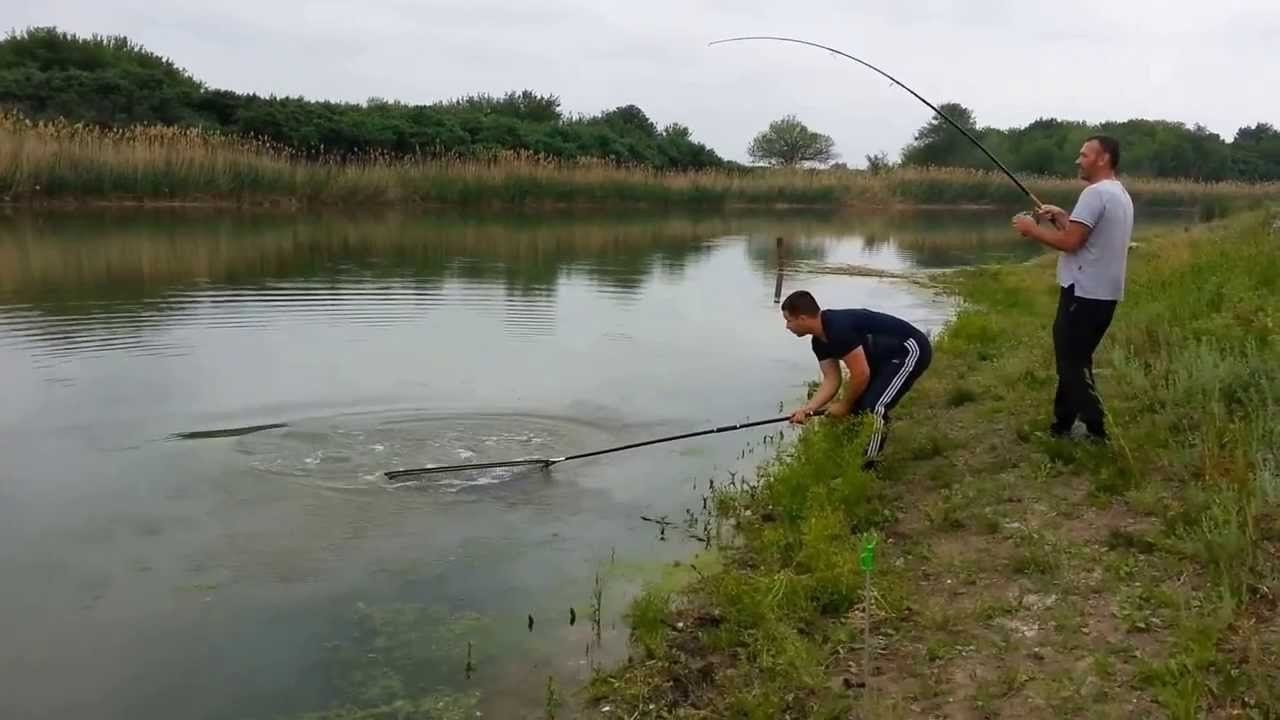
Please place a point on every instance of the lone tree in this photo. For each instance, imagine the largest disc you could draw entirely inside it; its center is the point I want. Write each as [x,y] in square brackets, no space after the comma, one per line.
[788,143]
[879,163]
[937,143]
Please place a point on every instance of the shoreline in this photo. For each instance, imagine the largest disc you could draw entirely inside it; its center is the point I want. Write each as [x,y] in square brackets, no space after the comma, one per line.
[1016,575]
[293,205]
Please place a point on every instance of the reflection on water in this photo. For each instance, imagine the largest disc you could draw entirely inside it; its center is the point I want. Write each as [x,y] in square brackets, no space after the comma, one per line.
[108,281]
[116,255]
[259,565]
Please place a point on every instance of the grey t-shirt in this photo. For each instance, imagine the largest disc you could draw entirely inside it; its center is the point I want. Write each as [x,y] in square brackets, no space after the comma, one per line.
[1097,269]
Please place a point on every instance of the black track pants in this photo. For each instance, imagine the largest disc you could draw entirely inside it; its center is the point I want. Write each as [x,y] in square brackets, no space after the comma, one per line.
[891,378]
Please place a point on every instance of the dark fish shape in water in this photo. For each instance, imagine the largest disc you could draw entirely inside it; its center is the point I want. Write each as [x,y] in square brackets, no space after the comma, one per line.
[225,432]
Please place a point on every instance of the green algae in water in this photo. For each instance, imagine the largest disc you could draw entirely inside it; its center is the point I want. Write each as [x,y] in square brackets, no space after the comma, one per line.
[442,705]
[396,662]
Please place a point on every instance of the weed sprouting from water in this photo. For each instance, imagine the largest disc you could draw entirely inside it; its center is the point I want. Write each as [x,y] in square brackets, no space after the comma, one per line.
[597,608]
[552,701]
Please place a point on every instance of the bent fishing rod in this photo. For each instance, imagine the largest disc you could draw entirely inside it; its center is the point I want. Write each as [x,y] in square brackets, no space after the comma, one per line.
[900,84]
[548,462]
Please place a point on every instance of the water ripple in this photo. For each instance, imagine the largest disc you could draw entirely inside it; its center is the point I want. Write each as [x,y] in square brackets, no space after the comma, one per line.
[352,451]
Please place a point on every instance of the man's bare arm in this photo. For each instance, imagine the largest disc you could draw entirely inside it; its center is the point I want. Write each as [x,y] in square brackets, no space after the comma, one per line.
[859,378]
[831,379]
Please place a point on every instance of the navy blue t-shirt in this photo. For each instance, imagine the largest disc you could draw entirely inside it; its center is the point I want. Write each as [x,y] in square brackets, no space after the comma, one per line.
[847,330]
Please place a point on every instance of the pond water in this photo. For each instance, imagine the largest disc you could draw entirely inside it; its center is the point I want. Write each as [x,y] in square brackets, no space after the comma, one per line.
[240,573]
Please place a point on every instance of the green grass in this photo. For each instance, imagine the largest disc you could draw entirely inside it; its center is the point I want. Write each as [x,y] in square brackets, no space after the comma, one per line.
[753,622]
[1037,557]
[961,395]
[1146,571]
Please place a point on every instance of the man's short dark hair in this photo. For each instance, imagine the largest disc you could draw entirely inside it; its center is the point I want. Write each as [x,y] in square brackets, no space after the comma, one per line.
[1110,146]
[800,302]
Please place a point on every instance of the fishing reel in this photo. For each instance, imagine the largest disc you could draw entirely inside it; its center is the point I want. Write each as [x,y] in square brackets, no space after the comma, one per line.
[1041,220]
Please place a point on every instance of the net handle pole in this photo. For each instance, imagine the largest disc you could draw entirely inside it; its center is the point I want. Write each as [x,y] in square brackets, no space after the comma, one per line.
[682,436]
[548,462]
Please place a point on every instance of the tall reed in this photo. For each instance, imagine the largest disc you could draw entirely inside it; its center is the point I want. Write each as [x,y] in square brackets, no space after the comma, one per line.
[58,162]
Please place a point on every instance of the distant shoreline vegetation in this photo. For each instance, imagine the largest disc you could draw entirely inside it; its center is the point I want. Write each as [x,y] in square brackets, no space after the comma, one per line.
[59,163]
[103,120]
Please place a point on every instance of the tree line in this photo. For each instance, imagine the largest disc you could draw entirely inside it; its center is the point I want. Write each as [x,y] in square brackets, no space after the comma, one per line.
[1152,148]
[111,81]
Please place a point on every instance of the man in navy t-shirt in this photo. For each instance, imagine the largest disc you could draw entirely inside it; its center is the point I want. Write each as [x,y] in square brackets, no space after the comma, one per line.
[884,355]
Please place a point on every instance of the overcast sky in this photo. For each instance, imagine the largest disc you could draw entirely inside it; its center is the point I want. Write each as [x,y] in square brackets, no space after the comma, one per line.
[1215,63]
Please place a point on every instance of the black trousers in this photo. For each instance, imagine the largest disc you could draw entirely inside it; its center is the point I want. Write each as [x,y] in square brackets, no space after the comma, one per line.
[891,377]
[1077,330]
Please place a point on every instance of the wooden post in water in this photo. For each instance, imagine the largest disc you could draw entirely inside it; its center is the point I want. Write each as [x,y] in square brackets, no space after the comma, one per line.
[777,285]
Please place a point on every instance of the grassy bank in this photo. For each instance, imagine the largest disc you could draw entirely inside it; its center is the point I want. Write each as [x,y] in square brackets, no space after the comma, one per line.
[59,163]
[1017,575]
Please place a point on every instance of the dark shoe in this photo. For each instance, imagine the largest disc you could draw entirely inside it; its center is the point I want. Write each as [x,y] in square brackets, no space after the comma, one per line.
[870,465]
[1099,436]
[1061,432]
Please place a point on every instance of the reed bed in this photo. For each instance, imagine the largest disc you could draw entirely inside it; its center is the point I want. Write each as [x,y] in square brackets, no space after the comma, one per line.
[59,162]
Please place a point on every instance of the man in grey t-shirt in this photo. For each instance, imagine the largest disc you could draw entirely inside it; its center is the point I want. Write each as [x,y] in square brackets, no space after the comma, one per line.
[1094,241]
